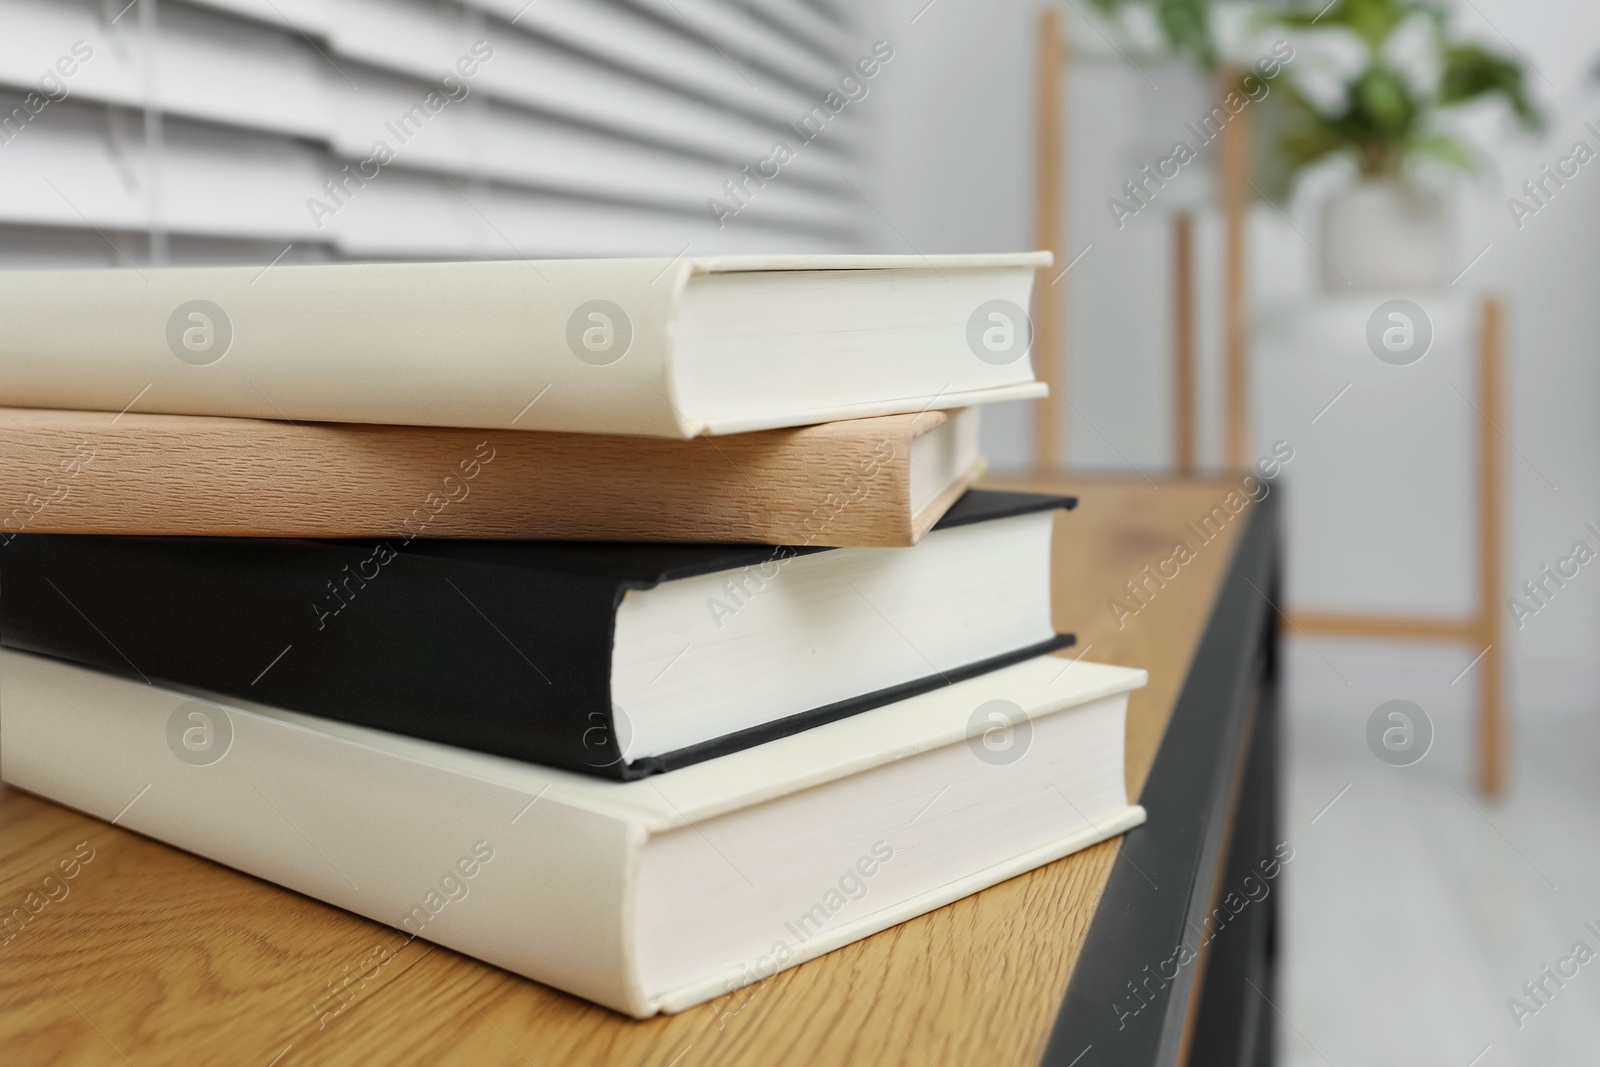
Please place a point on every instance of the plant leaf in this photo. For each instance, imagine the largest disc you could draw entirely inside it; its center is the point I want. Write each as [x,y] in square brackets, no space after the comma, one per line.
[1187,25]
[1471,71]
[1442,147]
[1371,20]
[1381,102]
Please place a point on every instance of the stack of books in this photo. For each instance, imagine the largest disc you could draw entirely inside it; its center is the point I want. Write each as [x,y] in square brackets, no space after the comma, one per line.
[631,624]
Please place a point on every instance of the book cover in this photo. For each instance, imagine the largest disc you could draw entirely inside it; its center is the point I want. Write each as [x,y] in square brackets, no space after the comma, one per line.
[607,346]
[880,481]
[584,884]
[503,647]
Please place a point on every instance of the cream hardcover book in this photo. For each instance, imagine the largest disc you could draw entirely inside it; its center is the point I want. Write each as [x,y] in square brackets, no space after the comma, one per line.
[647,896]
[645,347]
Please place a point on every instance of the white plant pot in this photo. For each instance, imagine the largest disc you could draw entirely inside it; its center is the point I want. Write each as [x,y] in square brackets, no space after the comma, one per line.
[1385,235]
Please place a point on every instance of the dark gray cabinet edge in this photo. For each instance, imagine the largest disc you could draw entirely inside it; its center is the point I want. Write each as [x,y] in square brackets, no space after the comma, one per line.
[1161,882]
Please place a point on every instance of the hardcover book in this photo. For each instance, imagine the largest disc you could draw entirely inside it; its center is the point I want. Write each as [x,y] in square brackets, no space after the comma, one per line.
[653,347]
[615,660]
[881,481]
[647,896]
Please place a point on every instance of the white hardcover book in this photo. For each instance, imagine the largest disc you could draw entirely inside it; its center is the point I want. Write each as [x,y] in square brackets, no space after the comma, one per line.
[653,347]
[645,896]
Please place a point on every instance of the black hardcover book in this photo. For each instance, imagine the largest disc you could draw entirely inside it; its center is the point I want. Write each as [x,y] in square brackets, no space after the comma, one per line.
[613,660]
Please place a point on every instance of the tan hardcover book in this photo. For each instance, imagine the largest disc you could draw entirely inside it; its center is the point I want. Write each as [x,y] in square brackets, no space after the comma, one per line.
[863,482]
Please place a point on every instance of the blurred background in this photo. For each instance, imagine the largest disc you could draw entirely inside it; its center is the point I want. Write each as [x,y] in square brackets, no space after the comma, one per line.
[1360,233]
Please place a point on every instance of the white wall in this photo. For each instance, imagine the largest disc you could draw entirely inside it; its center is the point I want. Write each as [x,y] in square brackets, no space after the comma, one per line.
[953,139]
[955,175]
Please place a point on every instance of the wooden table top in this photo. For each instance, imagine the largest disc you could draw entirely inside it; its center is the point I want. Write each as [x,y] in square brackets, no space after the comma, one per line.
[155,956]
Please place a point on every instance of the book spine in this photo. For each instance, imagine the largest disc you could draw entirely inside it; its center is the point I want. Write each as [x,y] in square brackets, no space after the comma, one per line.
[382,633]
[580,346]
[507,875]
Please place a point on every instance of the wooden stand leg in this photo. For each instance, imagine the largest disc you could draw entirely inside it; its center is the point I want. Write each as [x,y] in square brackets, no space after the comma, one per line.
[1233,181]
[1050,195]
[1491,514]
[1183,429]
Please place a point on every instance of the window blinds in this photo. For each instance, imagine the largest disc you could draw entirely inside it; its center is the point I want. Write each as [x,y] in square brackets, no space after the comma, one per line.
[225,130]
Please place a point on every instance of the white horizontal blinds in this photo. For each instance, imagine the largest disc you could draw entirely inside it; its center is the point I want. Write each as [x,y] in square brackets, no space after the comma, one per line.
[612,33]
[822,31]
[580,127]
[748,45]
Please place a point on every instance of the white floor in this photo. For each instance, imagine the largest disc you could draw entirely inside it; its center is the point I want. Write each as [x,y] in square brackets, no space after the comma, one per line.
[1414,909]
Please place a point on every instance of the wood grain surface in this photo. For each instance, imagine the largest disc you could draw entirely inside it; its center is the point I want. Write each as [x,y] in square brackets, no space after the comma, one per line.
[838,483]
[148,955]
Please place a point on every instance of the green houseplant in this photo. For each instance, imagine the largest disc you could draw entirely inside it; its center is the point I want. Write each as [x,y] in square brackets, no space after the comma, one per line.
[1387,230]
[1387,118]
